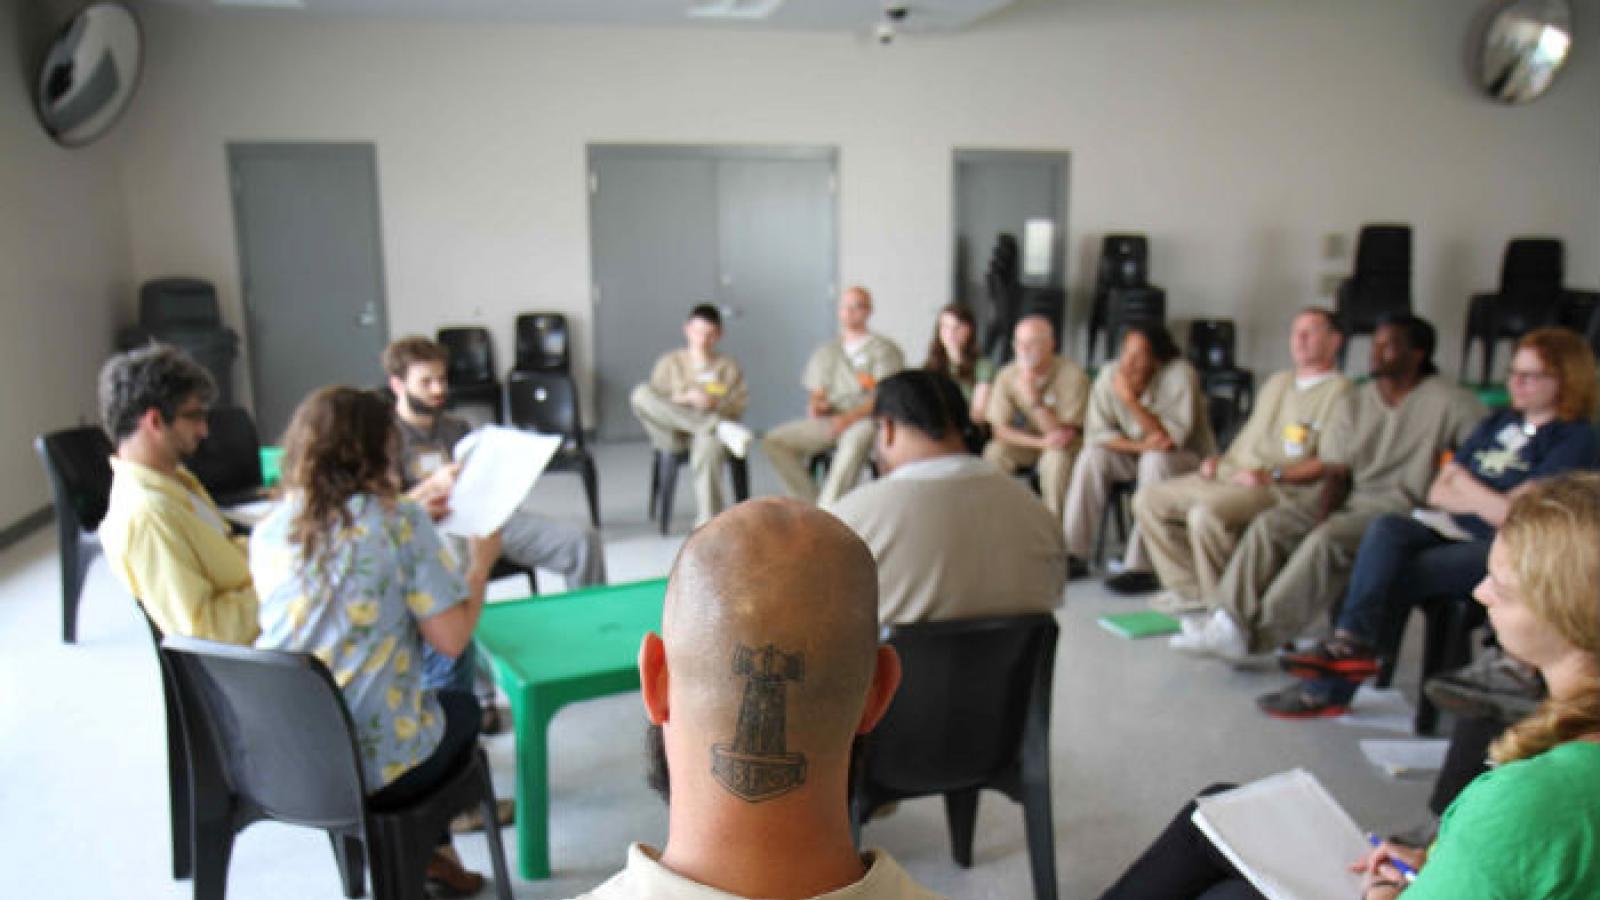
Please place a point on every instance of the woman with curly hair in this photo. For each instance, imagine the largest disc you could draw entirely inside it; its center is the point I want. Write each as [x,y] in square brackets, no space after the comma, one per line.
[352,572]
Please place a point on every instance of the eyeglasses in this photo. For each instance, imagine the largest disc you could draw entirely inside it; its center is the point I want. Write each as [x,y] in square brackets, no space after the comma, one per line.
[1524,375]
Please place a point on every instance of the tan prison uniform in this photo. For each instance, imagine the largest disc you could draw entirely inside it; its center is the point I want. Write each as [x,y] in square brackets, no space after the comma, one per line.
[671,425]
[1191,524]
[955,538]
[847,378]
[1174,397]
[645,878]
[1064,389]
[1290,568]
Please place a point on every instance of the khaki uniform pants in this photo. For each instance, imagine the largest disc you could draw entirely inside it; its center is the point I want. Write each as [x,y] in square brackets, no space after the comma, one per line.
[1092,477]
[1190,526]
[1055,468]
[791,445]
[1289,568]
[670,426]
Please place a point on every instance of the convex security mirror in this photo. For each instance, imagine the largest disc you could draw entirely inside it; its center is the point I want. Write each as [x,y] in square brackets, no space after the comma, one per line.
[1524,45]
[89,75]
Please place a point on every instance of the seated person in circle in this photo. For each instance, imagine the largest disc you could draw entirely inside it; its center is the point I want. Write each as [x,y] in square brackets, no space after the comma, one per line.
[1403,561]
[354,573]
[1529,827]
[954,352]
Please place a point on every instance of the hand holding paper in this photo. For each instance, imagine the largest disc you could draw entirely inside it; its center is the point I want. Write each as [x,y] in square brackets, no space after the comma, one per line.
[498,468]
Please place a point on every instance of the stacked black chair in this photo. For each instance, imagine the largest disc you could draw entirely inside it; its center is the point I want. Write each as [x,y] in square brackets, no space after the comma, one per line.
[1530,297]
[1230,390]
[1123,293]
[1381,283]
[664,482]
[184,312]
[78,463]
[228,461]
[1580,311]
[1003,283]
[543,343]
[268,737]
[972,712]
[472,371]
[547,402]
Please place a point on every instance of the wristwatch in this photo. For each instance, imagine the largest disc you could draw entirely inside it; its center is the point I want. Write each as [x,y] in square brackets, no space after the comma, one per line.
[1277,474]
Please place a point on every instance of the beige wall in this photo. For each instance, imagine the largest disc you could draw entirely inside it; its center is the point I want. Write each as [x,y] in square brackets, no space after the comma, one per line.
[64,266]
[1237,133]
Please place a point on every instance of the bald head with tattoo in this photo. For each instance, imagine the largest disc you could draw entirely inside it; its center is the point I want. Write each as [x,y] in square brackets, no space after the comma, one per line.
[767,670]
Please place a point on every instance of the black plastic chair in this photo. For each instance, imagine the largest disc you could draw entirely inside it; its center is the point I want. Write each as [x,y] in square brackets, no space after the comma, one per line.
[1124,263]
[1380,284]
[547,402]
[228,461]
[664,482]
[973,712]
[471,370]
[543,343]
[78,463]
[268,737]
[1446,646]
[177,757]
[1530,297]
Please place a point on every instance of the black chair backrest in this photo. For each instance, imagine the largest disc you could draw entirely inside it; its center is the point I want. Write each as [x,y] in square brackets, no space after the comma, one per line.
[546,402]
[78,462]
[1211,344]
[178,304]
[1124,261]
[963,703]
[1532,265]
[228,461]
[1383,255]
[471,356]
[277,725]
[542,343]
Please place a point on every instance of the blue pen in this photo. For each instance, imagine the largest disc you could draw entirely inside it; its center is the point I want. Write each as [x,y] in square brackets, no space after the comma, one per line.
[1406,872]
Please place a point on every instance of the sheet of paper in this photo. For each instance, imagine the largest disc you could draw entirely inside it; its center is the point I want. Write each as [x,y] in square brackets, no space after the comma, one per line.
[1401,758]
[1441,523]
[249,514]
[1383,708]
[498,468]
[1288,836]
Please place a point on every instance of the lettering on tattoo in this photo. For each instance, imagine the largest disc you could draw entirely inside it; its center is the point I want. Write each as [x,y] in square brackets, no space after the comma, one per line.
[756,764]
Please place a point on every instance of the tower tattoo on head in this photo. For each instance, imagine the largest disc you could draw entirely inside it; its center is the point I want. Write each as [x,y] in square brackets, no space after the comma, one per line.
[756,766]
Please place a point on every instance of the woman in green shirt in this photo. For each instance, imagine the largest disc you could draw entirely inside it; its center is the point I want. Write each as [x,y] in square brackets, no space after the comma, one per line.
[954,351]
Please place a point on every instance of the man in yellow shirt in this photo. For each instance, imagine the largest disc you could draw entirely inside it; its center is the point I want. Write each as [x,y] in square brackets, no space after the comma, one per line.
[165,538]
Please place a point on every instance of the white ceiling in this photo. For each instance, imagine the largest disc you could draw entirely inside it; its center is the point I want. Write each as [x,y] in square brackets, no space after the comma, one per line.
[794,15]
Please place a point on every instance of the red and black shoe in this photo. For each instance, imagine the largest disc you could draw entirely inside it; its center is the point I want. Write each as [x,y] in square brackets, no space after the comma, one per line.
[1298,702]
[1337,657]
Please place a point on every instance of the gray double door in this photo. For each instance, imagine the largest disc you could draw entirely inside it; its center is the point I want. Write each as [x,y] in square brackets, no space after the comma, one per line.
[311,262]
[751,230]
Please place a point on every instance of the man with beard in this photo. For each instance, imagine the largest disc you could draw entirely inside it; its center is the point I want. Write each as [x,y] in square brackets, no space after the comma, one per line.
[766,671]
[428,435]
[166,541]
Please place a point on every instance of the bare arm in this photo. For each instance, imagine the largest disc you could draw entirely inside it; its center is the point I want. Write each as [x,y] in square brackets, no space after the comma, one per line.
[450,632]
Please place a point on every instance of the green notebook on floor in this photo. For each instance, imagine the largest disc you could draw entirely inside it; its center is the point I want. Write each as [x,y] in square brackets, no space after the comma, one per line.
[1148,623]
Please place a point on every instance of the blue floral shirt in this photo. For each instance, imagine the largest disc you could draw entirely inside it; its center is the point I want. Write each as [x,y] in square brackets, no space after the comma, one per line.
[358,613]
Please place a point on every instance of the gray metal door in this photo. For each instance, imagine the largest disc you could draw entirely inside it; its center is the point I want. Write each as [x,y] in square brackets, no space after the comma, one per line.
[311,261]
[749,229]
[999,192]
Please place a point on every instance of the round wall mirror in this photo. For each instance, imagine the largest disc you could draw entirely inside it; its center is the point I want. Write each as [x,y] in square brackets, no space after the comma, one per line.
[1524,45]
[90,73]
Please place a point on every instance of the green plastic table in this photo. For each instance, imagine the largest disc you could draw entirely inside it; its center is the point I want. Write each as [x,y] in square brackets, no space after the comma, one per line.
[551,651]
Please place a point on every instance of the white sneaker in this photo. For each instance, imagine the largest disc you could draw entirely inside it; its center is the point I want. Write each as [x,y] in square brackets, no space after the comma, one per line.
[1224,637]
[1175,604]
[735,437]
[1192,638]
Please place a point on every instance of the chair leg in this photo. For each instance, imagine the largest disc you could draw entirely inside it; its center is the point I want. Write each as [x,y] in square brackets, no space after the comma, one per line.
[71,585]
[1041,838]
[669,489]
[349,854]
[961,812]
[740,469]
[1435,656]
[655,483]
[497,851]
[213,848]
[591,487]
[178,790]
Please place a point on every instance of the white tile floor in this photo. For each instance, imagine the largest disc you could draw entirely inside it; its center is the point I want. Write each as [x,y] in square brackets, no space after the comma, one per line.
[1137,728]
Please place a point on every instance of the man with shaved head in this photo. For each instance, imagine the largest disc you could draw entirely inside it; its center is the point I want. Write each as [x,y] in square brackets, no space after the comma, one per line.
[766,671]
[1037,409]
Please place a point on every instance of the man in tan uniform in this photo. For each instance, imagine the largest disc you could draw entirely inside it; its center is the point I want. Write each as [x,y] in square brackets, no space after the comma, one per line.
[1380,453]
[1037,408]
[954,539]
[840,377]
[1147,422]
[696,395]
[1191,524]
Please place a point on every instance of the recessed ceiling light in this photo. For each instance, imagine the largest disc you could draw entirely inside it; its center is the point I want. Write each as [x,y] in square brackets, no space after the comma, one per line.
[733,9]
[264,4]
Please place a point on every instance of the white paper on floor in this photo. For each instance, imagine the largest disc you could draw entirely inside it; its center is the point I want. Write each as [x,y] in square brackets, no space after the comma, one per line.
[1399,759]
[1385,709]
